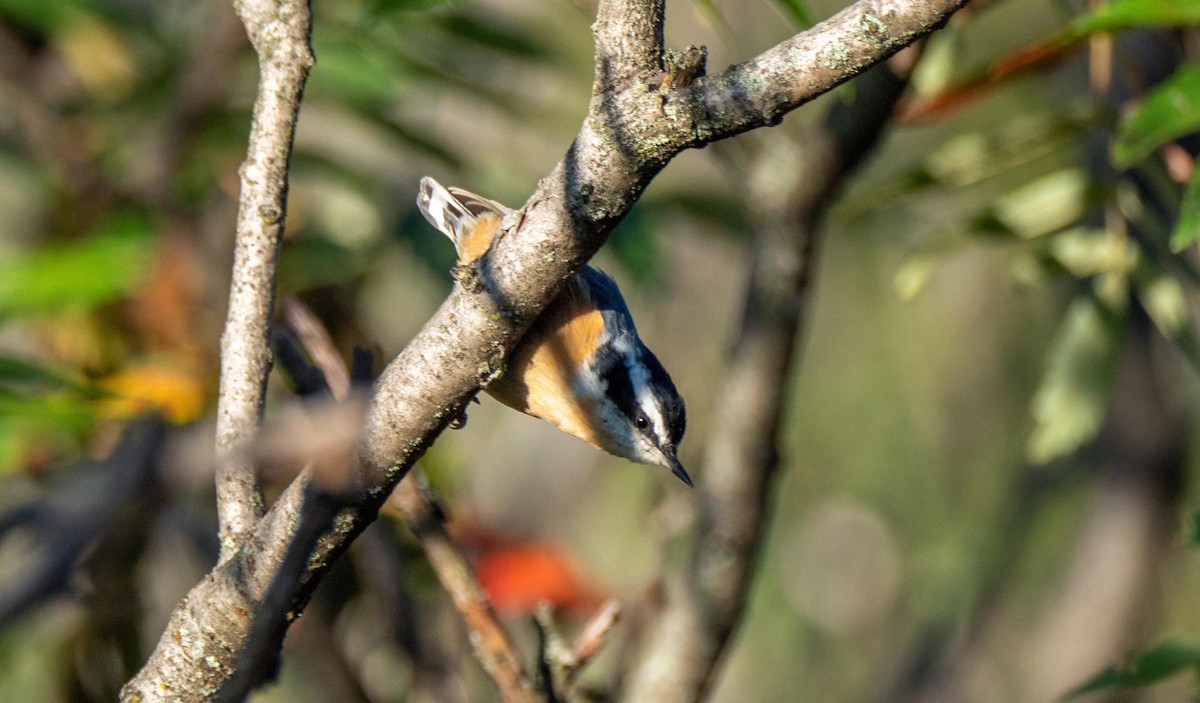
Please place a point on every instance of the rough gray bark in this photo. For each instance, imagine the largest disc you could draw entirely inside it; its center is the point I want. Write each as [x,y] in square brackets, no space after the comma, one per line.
[634,127]
[280,34]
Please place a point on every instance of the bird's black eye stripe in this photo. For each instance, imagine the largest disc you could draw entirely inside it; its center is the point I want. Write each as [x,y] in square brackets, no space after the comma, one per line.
[619,387]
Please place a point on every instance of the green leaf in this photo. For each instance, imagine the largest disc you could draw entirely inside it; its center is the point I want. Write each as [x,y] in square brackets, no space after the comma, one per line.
[1045,205]
[1196,529]
[1124,14]
[1108,679]
[1171,110]
[47,16]
[1187,229]
[798,11]
[28,421]
[90,272]
[1069,405]
[1163,660]
[19,372]
[1148,667]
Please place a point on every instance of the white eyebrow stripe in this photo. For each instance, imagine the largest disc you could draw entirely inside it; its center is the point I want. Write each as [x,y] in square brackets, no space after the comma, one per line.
[639,376]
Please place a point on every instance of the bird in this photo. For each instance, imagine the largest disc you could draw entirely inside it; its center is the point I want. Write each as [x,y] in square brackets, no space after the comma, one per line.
[581,366]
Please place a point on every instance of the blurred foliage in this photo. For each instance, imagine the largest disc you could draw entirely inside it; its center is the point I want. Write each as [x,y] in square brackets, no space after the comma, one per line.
[101,268]
[1170,111]
[1150,666]
[1021,223]
[1127,14]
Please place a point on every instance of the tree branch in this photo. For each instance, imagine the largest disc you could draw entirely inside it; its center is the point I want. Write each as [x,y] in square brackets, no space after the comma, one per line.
[280,34]
[462,348]
[629,42]
[489,640]
[790,189]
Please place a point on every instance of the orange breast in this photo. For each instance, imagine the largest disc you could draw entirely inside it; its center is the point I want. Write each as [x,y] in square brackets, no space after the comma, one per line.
[540,372]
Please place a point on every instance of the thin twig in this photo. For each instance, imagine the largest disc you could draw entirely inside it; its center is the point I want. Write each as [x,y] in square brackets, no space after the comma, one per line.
[279,32]
[489,641]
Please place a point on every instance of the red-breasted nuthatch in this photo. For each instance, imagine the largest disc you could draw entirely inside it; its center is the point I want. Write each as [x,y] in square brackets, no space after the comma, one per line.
[581,366]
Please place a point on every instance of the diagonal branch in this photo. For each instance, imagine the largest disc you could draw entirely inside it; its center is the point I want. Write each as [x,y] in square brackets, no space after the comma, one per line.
[280,34]
[425,518]
[623,143]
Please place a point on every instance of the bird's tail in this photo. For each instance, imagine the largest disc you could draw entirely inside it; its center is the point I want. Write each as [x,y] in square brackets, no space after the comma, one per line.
[444,211]
[470,221]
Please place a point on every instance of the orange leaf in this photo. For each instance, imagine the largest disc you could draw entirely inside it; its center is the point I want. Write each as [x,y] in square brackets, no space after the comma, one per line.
[520,576]
[179,395]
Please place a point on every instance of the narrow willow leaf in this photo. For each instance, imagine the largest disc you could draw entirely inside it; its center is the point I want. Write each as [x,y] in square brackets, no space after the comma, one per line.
[1171,110]
[1069,405]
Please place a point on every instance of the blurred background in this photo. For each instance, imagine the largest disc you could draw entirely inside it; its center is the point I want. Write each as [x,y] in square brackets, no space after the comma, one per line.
[985,491]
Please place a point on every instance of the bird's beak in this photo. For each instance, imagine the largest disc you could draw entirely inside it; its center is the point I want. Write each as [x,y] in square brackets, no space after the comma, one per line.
[677,469]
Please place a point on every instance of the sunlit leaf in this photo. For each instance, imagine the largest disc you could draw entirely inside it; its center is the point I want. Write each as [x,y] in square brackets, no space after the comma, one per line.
[1123,14]
[1085,251]
[178,394]
[1171,110]
[1187,229]
[940,60]
[1070,403]
[912,276]
[99,54]
[798,11]
[93,271]
[1148,667]
[1045,205]
[1166,301]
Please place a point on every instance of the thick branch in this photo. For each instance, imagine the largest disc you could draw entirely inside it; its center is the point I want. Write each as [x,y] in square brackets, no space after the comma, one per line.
[629,42]
[490,642]
[463,346]
[280,34]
